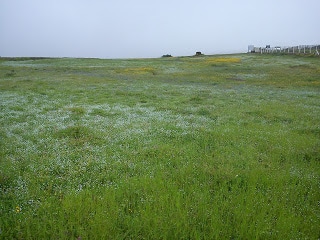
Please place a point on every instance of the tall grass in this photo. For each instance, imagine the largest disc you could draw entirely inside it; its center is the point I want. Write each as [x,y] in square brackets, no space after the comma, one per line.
[218,147]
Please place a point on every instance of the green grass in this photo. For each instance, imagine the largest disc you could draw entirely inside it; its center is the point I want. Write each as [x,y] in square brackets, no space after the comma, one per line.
[211,147]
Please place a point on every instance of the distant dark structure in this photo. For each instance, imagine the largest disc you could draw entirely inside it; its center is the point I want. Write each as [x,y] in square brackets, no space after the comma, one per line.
[167,55]
[198,54]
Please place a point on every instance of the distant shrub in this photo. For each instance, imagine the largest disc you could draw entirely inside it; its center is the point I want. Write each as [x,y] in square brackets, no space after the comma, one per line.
[166,55]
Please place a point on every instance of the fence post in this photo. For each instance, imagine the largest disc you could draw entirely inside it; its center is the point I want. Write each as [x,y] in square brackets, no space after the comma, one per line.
[300,49]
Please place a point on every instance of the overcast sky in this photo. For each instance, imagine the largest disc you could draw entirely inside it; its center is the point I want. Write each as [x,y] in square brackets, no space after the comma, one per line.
[151,28]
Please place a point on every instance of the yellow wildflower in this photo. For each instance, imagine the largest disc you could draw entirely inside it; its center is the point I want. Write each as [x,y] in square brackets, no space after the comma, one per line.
[18,209]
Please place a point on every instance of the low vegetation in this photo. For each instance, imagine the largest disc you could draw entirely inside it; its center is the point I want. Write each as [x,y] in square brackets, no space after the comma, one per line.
[212,147]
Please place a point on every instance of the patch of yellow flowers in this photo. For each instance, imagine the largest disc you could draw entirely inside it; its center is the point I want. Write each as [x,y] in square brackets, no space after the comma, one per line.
[140,70]
[223,60]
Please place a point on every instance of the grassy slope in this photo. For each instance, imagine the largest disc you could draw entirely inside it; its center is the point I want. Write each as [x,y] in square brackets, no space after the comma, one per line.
[208,147]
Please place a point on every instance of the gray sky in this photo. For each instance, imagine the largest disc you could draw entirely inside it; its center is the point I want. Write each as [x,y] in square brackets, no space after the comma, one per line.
[146,28]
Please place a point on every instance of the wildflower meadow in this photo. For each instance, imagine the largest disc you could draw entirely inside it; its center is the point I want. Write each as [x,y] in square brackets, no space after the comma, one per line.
[207,147]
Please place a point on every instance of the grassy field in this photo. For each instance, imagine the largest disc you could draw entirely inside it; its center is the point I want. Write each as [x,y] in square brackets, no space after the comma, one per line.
[211,147]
